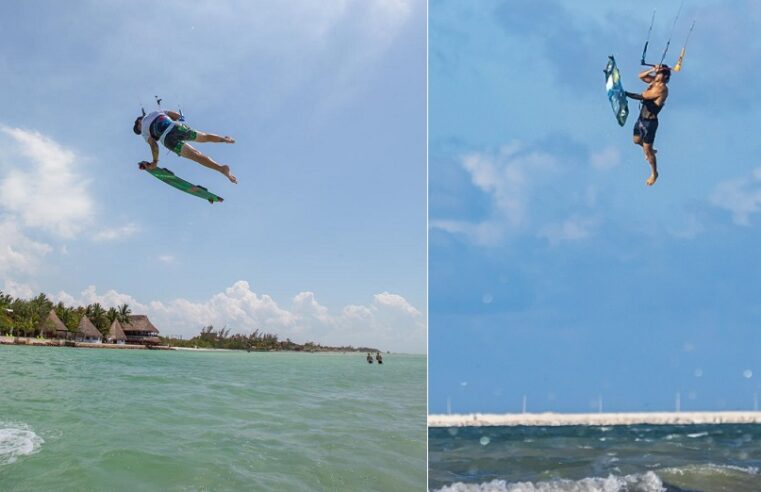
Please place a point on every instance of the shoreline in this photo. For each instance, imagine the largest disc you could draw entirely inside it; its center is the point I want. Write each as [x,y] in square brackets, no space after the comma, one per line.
[48,342]
[594,419]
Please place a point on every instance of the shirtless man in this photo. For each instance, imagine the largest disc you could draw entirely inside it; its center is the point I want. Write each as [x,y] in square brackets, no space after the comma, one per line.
[652,101]
[167,127]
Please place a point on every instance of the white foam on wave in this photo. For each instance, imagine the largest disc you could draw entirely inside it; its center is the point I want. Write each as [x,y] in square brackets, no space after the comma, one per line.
[647,482]
[17,440]
[697,434]
[712,469]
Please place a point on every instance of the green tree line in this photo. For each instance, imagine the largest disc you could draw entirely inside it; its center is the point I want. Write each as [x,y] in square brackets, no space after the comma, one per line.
[26,317]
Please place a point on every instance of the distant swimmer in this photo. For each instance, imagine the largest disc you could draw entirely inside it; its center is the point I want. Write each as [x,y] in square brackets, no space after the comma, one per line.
[168,128]
[369,358]
[651,103]
[379,357]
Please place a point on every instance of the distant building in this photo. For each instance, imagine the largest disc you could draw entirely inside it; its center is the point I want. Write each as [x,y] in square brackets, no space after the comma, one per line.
[52,326]
[86,332]
[140,331]
[116,334]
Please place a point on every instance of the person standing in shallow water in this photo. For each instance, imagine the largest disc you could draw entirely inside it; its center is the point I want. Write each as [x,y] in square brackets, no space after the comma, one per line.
[651,103]
[369,358]
[167,127]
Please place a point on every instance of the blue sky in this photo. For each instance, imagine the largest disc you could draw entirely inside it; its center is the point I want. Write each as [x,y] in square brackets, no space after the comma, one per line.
[324,237]
[555,273]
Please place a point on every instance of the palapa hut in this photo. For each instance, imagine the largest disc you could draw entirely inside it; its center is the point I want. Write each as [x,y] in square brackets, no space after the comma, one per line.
[52,326]
[86,332]
[139,330]
[116,333]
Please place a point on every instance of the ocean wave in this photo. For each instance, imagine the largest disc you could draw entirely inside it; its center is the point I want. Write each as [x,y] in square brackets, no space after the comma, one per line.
[646,482]
[17,440]
[697,434]
[712,477]
[712,469]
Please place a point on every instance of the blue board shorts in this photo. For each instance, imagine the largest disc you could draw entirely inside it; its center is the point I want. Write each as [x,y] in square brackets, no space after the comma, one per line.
[645,129]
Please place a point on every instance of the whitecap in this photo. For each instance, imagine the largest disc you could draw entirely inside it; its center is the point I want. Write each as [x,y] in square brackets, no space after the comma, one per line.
[647,482]
[697,434]
[17,440]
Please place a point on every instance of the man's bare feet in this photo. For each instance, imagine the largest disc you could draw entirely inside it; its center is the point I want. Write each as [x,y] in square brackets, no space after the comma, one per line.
[651,180]
[227,139]
[226,171]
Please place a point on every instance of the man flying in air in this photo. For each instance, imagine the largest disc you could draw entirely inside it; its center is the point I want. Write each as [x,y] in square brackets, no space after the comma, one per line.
[167,127]
[651,103]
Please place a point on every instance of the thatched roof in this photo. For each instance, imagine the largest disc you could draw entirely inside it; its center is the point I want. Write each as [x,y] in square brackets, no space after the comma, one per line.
[140,323]
[87,329]
[52,325]
[116,332]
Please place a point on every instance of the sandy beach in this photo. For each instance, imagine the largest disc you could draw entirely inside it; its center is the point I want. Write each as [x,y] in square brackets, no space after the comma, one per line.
[48,342]
[593,419]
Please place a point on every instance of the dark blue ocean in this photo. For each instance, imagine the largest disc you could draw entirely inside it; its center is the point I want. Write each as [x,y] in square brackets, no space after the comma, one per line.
[637,458]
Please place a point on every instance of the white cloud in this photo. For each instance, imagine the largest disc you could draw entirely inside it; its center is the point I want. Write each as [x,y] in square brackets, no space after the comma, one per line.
[740,196]
[489,233]
[116,233]
[16,289]
[42,185]
[572,229]
[508,177]
[18,252]
[389,322]
[607,158]
[90,295]
[166,258]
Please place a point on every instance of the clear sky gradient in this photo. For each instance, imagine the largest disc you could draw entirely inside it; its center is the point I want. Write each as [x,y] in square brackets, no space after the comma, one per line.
[555,273]
[324,237]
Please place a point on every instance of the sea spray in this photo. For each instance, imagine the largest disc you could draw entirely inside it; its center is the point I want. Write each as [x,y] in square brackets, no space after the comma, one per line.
[17,440]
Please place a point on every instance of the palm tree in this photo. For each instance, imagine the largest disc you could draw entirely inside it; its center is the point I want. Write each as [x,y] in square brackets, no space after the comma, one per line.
[112,314]
[6,320]
[124,313]
[97,315]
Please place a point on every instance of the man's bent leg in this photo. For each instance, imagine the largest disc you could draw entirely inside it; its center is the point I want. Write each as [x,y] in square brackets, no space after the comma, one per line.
[650,155]
[189,152]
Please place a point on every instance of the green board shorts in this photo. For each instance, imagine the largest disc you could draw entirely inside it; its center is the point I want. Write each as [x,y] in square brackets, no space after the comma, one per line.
[177,136]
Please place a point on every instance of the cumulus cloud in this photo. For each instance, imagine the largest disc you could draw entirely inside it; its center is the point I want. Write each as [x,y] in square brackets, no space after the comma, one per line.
[740,196]
[509,177]
[110,298]
[42,185]
[16,289]
[18,252]
[388,322]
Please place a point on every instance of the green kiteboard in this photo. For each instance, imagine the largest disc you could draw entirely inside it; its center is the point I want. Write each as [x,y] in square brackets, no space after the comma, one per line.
[169,178]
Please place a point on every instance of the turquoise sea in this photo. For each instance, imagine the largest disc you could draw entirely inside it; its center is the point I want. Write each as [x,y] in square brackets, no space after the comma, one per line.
[93,419]
[636,458]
